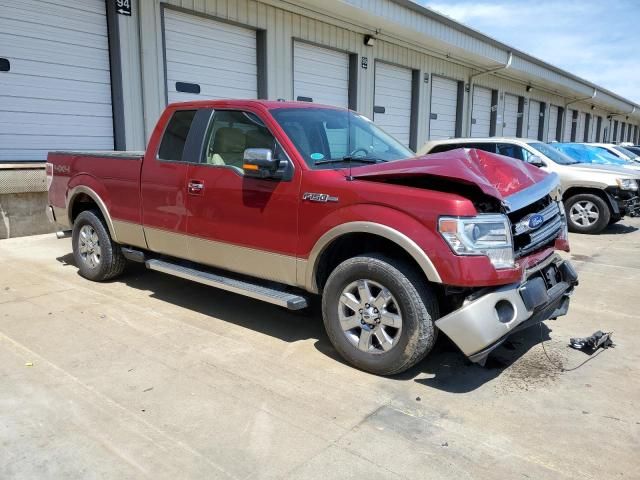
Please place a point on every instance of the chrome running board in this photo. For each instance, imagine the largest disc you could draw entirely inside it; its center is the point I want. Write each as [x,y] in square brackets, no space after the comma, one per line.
[259,292]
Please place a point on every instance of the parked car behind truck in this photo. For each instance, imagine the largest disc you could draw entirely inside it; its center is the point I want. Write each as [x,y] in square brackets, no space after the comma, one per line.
[594,195]
[282,200]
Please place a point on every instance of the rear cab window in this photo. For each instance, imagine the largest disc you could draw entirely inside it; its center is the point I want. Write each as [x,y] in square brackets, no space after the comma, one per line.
[175,136]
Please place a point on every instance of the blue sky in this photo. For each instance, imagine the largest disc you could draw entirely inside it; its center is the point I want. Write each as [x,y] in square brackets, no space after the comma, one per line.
[596,40]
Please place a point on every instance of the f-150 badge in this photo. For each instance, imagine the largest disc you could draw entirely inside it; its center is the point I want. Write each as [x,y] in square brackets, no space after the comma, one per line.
[319,197]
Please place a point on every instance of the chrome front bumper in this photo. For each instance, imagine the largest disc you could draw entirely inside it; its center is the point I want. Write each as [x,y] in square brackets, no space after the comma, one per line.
[484,322]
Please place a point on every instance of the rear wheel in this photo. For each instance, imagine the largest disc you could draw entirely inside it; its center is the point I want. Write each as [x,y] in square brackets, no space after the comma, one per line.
[97,256]
[587,213]
[379,314]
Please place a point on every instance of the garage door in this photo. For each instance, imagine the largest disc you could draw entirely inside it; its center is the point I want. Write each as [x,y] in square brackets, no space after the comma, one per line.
[591,129]
[216,59]
[57,92]
[568,122]
[534,119]
[481,112]
[553,123]
[444,104]
[580,127]
[393,96]
[510,115]
[320,75]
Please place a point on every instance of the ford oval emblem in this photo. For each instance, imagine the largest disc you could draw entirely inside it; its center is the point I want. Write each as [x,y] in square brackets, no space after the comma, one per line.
[535,221]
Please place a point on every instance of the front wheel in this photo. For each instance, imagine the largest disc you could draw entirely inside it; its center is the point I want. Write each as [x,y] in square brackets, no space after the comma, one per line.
[379,314]
[587,213]
[97,256]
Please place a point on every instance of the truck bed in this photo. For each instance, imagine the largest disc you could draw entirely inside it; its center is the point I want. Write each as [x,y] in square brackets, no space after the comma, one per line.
[112,175]
[130,154]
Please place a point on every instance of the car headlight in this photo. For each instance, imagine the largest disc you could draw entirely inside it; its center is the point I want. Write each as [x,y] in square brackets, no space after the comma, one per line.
[627,183]
[488,235]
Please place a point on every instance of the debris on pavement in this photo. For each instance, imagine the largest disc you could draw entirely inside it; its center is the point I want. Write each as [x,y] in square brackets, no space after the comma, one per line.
[592,343]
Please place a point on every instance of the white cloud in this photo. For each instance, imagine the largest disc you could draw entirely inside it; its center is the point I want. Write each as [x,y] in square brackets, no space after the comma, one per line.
[596,40]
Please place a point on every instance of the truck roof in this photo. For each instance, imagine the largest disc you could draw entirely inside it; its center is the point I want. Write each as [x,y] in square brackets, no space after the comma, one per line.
[235,103]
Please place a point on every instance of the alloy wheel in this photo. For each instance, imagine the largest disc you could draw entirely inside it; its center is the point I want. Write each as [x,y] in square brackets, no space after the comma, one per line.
[370,316]
[584,213]
[89,246]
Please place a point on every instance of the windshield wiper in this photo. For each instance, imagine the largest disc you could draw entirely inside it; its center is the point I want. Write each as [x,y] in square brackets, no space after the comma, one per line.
[347,158]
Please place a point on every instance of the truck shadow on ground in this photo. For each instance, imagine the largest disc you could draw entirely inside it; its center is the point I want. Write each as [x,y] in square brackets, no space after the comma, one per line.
[618,229]
[446,366]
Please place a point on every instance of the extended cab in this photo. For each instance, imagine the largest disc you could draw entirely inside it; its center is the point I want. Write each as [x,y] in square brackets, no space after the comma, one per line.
[283,200]
[594,196]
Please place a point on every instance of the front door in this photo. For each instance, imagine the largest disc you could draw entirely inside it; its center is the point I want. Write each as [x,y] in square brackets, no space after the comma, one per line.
[242,224]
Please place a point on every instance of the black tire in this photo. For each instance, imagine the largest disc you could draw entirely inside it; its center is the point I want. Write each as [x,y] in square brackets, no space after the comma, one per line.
[417,304]
[111,261]
[601,207]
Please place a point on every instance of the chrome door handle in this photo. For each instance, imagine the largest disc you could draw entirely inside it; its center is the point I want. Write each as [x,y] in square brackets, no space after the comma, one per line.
[195,187]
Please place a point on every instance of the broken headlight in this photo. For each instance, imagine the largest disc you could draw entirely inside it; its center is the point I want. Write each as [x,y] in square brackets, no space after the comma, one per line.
[488,235]
[627,184]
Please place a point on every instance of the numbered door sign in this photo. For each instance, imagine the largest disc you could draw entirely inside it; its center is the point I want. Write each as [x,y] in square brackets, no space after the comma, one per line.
[123,7]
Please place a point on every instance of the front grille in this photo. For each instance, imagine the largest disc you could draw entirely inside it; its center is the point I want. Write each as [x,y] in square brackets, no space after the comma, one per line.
[526,240]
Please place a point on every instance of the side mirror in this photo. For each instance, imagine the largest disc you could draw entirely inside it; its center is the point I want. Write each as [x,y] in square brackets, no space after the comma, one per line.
[259,163]
[536,161]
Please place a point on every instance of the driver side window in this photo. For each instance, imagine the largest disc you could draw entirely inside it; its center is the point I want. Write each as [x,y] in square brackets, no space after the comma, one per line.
[513,151]
[231,133]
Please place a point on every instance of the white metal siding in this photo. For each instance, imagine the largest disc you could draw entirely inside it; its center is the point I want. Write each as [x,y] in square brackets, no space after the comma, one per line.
[393,92]
[534,119]
[481,112]
[553,123]
[57,95]
[219,57]
[444,104]
[510,115]
[321,74]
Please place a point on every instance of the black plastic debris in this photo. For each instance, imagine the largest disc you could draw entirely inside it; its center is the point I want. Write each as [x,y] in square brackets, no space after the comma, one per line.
[592,343]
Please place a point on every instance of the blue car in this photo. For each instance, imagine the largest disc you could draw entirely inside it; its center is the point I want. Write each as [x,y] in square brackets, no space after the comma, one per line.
[590,154]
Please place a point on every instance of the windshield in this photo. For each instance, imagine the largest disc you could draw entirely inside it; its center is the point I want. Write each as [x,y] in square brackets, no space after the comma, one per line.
[589,154]
[553,154]
[627,153]
[327,137]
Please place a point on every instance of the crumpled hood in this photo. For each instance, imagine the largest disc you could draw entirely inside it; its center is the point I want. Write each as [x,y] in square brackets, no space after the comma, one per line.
[496,175]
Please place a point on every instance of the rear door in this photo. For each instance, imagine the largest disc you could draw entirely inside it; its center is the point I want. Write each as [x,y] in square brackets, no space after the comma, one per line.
[242,224]
[163,186]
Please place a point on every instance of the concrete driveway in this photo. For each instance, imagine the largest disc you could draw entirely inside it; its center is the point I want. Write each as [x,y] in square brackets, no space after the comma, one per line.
[154,377]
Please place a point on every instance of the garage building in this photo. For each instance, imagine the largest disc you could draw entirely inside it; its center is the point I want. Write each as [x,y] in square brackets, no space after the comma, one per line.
[95,74]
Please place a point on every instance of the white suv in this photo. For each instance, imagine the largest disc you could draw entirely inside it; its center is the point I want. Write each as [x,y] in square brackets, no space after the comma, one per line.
[594,195]
[617,150]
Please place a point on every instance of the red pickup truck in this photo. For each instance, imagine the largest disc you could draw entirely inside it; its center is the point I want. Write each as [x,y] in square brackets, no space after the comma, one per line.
[280,201]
